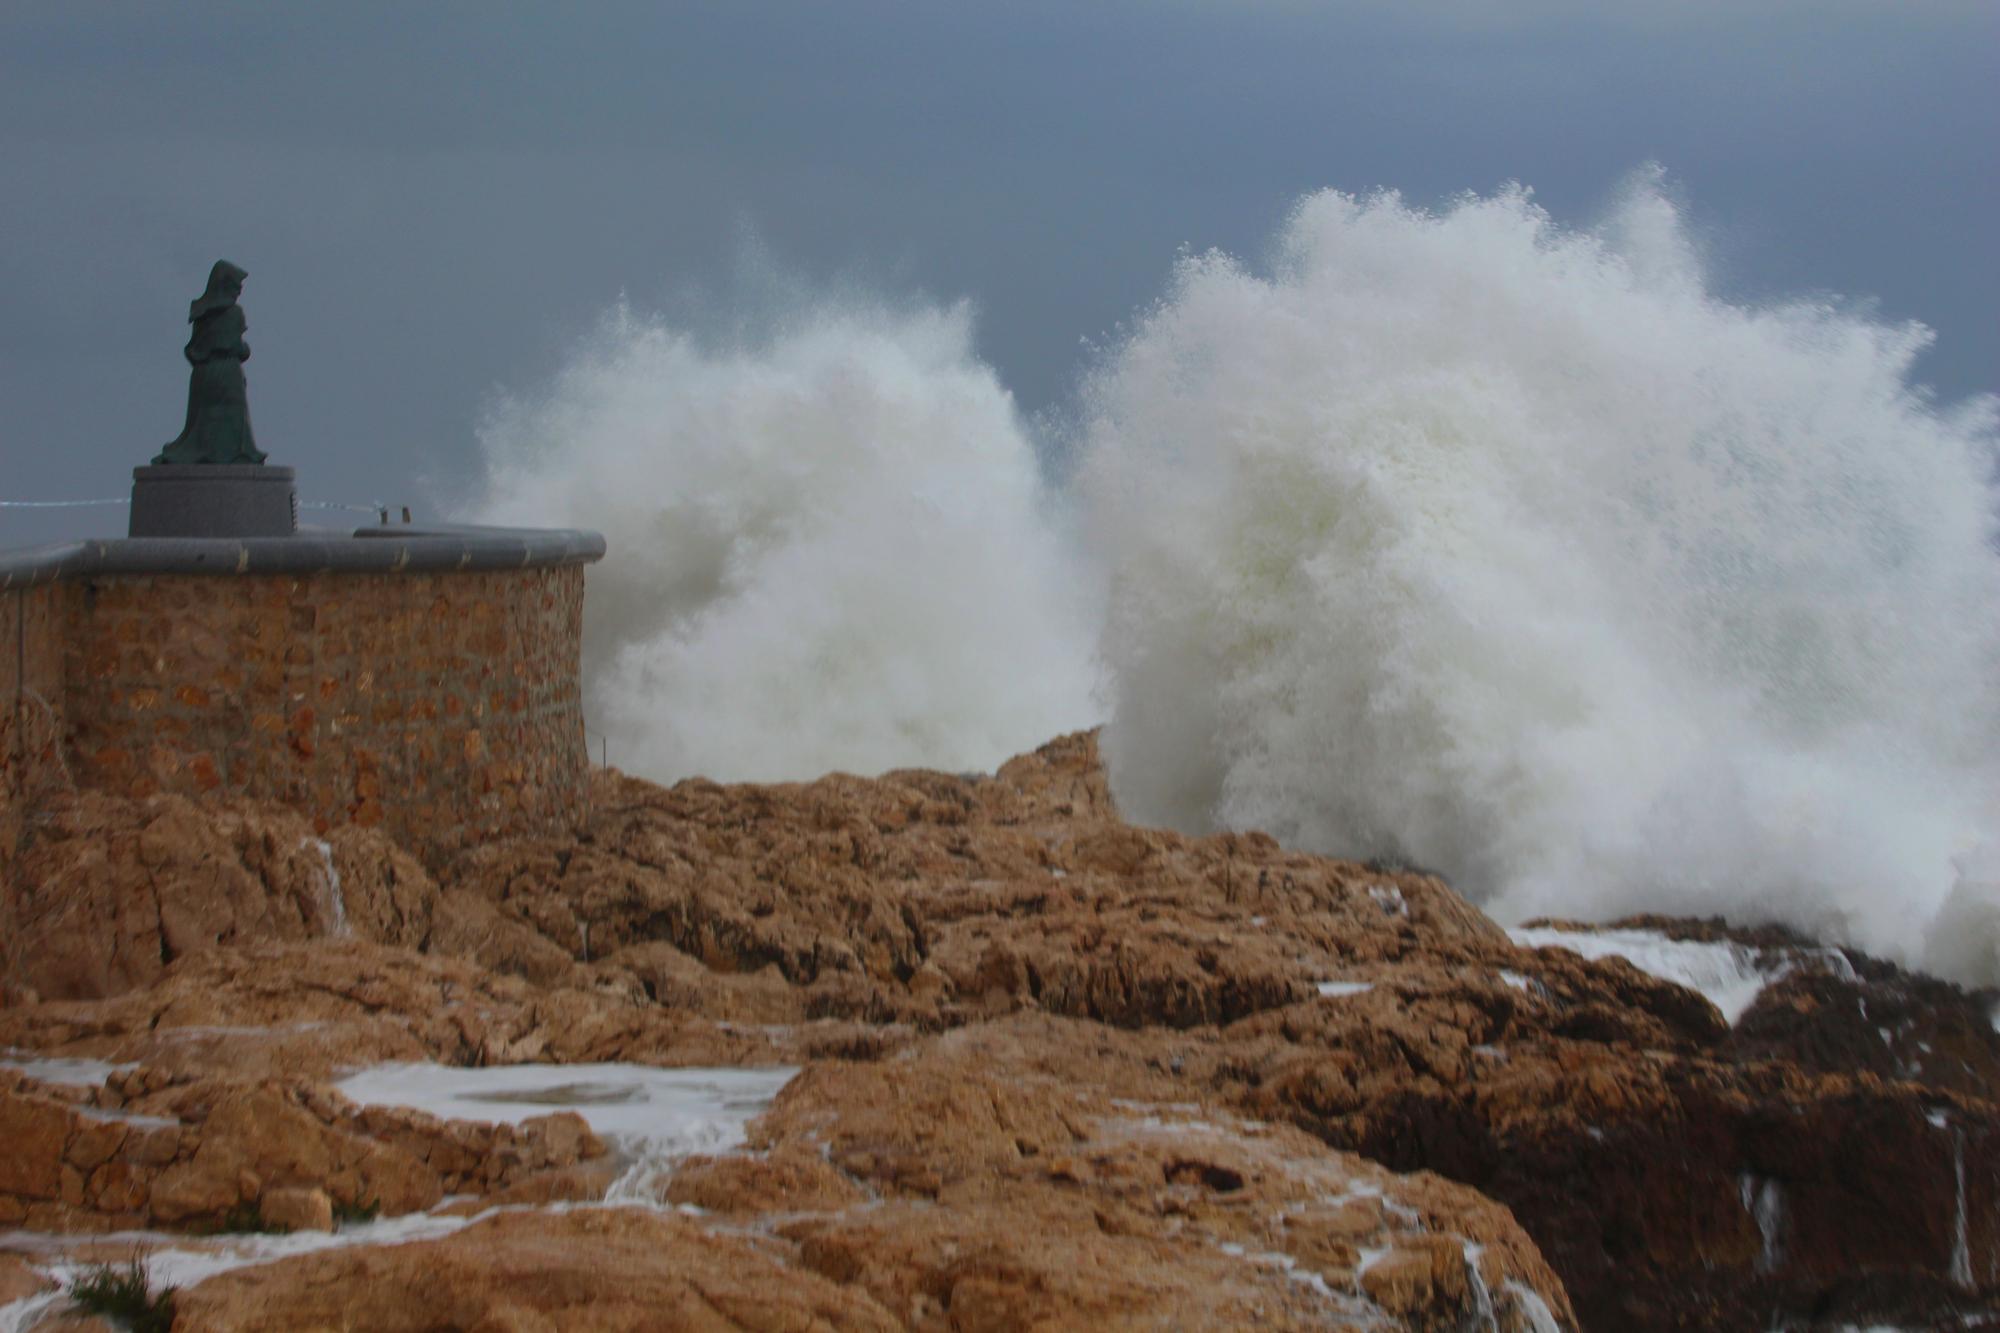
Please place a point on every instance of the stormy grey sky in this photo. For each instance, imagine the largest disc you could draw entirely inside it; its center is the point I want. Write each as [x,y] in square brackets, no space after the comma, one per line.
[436,200]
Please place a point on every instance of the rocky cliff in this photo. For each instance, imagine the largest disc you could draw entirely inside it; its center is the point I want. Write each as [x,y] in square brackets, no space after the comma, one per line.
[1055,1072]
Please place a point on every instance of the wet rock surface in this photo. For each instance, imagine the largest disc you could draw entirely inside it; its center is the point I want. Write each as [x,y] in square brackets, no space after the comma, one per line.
[610,1269]
[1057,1071]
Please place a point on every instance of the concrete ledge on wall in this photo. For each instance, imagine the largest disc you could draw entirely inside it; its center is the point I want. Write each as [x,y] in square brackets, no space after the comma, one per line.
[384,550]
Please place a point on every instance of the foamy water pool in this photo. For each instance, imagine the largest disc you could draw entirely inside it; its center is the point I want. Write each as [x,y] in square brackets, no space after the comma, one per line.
[650,1118]
[688,1110]
[73,1072]
[1728,974]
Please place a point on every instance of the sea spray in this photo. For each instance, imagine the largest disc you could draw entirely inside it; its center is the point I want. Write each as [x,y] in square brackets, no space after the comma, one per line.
[1454,537]
[1519,553]
[831,547]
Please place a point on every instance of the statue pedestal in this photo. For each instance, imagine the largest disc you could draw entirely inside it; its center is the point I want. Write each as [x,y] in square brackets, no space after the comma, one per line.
[213,500]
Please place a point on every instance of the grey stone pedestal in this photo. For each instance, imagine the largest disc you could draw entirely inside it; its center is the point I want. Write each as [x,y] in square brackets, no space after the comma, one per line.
[213,500]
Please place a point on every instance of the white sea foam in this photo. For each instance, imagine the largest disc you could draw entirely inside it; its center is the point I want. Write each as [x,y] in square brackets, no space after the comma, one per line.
[1730,975]
[1482,1295]
[336,900]
[1453,537]
[830,547]
[1531,1307]
[71,1071]
[693,1110]
[1519,553]
[178,1260]
[1961,1246]
[1764,1200]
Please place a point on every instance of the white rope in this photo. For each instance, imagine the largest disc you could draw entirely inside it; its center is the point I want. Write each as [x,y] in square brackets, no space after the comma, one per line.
[61,504]
[376,508]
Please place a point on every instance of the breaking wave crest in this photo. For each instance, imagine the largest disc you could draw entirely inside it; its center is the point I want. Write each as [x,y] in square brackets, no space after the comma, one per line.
[1457,537]
[1517,553]
[829,546]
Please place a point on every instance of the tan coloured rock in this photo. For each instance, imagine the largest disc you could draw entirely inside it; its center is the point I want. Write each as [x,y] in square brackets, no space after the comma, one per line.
[119,1189]
[114,889]
[19,1280]
[196,1153]
[33,1132]
[272,1011]
[184,1191]
[257,1138]
[784,1179]
[467,926]
[1418,1276]
[947,951]
[962,1181]
[572,1184]
[95,1144]
[386,894]
[580,1272]
[296,1209]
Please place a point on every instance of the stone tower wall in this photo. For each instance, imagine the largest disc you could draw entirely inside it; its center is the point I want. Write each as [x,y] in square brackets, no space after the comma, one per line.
[443,707]
[31,706]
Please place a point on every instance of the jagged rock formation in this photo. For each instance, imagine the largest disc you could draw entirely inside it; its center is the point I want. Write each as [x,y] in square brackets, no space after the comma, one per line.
[1056,1068]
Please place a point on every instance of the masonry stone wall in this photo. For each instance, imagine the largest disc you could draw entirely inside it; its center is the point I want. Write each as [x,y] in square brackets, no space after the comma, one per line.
[443,707]
[31,705]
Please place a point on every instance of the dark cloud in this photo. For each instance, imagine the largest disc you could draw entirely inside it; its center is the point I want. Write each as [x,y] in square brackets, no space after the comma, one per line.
[433,200]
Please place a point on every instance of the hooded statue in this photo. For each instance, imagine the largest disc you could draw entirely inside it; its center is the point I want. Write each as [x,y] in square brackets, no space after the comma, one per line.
[218,412]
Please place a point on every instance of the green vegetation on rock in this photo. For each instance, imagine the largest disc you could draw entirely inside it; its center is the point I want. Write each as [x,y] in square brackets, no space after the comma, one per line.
[125,1294]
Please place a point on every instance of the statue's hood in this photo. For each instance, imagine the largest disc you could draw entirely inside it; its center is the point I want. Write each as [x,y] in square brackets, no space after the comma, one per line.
[222,280]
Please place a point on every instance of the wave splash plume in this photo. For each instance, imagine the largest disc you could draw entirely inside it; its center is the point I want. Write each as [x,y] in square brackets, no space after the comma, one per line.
[830,546]
[1517,553]
[1454,537]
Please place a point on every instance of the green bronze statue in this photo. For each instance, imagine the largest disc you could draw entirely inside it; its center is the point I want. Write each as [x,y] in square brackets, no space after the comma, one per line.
[218,414]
